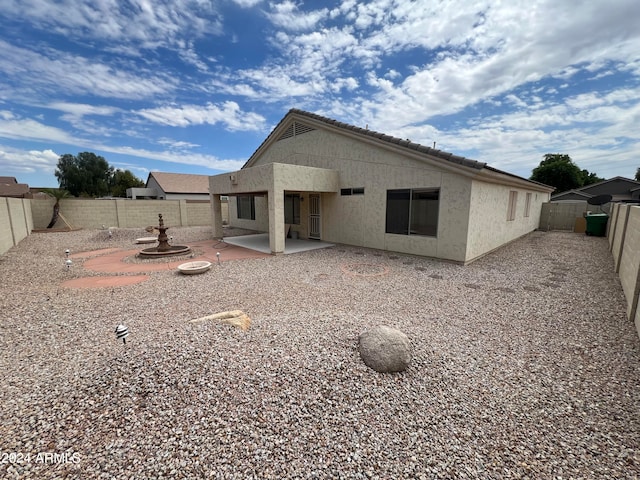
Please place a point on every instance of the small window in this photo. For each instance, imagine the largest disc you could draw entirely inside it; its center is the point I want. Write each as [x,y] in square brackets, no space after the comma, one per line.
[527,205]
[513,202]
[246,207]
[352,191]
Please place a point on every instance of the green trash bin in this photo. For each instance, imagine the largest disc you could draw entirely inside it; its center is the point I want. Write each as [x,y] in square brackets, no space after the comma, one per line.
[597,224]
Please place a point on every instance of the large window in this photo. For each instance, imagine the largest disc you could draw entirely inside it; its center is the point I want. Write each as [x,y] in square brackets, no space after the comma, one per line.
[292,209]
[246,207]
[413,211]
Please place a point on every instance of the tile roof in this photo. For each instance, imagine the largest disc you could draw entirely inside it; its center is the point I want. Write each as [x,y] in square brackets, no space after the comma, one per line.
[9,187]
[585,191]
[403,143]
[181,182]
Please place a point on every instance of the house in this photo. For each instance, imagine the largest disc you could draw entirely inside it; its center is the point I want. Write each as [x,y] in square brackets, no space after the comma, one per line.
[173,186]
[9,187]
[343,184]
[621,190]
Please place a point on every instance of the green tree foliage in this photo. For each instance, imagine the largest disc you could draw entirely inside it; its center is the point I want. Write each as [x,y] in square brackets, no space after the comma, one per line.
[90,175]
[637,178]
[558,170]
[589,178]
[123,179]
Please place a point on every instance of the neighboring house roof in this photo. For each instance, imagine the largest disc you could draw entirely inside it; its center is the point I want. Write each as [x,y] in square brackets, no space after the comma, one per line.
[572,195]
[405,144]
[620,188]
[181,182]
[9,187]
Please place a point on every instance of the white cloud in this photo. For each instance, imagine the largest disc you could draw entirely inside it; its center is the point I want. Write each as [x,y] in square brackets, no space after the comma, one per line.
[54,71]
[208,161]
[18,128]
[247,3]
[228,114]
[286,15]
[149,24]
[176,144]
[20,162]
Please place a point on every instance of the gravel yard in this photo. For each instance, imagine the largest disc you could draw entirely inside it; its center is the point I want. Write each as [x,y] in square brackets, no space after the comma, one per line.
[524,366]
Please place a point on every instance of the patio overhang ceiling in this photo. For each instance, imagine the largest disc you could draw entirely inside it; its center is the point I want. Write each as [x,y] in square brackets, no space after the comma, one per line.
[275,177]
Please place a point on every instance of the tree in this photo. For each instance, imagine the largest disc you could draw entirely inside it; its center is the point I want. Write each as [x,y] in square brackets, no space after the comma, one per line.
[558,170]
[88,174]
[637,178]
[589,178]
[58,194]
[123,179]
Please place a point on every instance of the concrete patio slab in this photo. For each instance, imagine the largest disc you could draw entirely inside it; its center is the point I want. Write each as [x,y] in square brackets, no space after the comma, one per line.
[260,243]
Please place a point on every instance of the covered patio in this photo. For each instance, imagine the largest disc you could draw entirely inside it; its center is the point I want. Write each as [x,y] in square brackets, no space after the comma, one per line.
[272,181]
[260,243]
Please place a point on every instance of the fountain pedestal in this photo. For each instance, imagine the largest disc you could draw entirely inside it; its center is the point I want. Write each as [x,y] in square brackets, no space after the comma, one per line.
[164,248]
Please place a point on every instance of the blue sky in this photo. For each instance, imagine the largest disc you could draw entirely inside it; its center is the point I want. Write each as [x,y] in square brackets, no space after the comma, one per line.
[194,86]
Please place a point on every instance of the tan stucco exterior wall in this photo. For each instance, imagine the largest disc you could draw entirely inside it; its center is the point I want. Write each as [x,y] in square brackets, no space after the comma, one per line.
[360,219]
[488,224]
[260,224]
[472,218]
[274,179]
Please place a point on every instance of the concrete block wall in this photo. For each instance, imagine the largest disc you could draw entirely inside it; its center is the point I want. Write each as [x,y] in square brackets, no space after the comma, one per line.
[200,213]
[121,213]
[624,242]
[15,221]
[80,213]
[6,232]
[18,217]
[144,213]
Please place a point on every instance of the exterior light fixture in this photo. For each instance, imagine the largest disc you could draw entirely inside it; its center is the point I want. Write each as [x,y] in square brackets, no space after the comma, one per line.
[122,332]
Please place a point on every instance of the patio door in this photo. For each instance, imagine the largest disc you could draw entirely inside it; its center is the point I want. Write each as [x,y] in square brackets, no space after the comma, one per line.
[314,216]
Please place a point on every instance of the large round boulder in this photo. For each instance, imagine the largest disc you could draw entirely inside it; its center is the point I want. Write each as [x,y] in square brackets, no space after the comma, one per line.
[385,349]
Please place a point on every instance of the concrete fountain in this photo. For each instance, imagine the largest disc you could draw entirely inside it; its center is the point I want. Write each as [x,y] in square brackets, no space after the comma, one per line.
[163,249]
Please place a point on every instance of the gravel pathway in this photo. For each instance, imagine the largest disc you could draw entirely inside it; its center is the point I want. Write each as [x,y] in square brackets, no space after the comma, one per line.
[524,366]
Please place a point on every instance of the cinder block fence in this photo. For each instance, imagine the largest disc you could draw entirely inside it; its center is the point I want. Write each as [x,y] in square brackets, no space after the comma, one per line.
[623,232]
[18,216]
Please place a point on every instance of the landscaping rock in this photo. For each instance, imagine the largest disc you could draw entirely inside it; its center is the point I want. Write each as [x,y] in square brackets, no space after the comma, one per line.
[385,349]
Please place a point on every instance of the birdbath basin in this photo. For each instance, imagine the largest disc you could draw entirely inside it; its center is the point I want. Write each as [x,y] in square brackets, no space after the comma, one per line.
[193,268]
[147,240]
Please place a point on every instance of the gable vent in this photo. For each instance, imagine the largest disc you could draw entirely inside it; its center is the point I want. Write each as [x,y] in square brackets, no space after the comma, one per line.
[295,129]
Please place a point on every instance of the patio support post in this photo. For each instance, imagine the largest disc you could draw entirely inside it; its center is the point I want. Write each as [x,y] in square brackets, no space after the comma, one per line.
[276,221]
[216,214]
